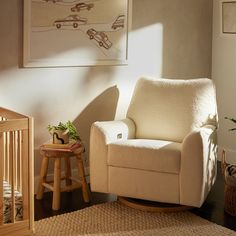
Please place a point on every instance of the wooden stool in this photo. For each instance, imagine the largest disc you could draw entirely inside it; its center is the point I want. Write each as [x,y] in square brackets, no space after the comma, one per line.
[51,151]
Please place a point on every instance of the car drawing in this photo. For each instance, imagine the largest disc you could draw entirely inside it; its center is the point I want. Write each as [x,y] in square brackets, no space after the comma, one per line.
[119,22]
[100,37]
[82,6]
[71,20]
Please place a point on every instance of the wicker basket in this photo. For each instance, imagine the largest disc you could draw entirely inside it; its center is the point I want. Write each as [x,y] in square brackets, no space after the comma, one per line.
[229,191]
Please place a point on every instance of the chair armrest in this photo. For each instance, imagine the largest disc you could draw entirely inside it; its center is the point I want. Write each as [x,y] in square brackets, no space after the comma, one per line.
[101,134]
[198,165]
[114,130]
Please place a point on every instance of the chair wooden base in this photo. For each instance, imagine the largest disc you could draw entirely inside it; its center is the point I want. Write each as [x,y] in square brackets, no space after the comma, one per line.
[151,206]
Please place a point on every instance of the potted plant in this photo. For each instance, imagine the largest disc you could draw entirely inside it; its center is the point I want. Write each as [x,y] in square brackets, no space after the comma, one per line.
[63,132]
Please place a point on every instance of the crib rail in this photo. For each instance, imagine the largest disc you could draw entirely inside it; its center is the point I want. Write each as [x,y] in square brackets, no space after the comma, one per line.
[16,167]
[10,114]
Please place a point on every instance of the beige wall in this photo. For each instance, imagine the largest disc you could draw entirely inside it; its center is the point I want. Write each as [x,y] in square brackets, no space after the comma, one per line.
[169,38]
[223,73]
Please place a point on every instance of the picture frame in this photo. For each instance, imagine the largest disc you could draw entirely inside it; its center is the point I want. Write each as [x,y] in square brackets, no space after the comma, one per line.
[228,11]
[62,33]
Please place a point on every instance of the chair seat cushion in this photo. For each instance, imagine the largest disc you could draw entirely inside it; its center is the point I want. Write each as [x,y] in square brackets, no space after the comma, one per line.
[152,155]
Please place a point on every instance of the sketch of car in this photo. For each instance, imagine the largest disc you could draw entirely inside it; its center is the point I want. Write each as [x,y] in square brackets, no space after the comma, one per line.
[119,22]
[82,6]
[100,37]
[71,20]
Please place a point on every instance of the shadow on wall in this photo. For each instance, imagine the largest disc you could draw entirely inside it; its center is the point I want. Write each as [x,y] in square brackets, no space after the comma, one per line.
[102,108]
[97,75]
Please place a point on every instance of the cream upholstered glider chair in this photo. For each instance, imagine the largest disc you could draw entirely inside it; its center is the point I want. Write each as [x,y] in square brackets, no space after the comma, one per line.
[164,150]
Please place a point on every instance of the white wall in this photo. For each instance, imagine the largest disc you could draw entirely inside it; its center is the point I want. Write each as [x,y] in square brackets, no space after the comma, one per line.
[224,73]
[168,39]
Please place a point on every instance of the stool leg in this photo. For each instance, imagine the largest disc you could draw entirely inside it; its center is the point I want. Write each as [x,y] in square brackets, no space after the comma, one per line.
[42,178]
[85,190]
[57,184]
[67,170]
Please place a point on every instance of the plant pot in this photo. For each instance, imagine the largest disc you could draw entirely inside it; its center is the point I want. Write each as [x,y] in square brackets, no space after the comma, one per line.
[60,137]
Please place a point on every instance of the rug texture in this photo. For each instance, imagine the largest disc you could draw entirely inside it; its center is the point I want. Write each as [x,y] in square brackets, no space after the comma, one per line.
[116,219]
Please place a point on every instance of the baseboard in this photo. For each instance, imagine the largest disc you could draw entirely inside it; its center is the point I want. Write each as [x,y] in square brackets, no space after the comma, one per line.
[230,154]
[74,173]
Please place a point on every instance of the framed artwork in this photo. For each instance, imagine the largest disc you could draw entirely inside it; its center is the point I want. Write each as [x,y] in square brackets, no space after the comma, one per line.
[229,17]
[76,32]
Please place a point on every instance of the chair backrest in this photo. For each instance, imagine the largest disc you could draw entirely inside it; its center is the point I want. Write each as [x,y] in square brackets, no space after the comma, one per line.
[169,109]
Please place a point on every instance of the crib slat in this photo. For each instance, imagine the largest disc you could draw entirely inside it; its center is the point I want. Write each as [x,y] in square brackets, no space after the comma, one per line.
[11,173]
[1,175]
[4,154]
[25,174]
[7,157]
[10,157]
[18,162]
[16,134]
[19,155]
[17,178]
[13,167]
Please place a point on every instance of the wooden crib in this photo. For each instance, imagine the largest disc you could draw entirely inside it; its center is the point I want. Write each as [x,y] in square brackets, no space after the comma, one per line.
[16,173]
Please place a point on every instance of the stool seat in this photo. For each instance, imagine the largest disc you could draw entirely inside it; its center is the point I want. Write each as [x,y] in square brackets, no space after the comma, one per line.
[58,152]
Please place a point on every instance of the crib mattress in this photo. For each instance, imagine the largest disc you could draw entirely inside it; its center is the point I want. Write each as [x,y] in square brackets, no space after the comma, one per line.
[7,204]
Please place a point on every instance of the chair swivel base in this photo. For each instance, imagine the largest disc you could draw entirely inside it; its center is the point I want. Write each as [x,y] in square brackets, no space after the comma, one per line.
[151,206]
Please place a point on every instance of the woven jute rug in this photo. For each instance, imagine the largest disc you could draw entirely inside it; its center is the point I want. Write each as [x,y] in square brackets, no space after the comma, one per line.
[115,219]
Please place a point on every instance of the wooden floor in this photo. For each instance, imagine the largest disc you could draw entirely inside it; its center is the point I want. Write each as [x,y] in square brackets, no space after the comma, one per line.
[212,209]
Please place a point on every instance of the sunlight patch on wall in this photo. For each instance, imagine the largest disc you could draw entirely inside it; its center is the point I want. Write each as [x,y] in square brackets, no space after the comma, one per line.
[145,54]
[146,49]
